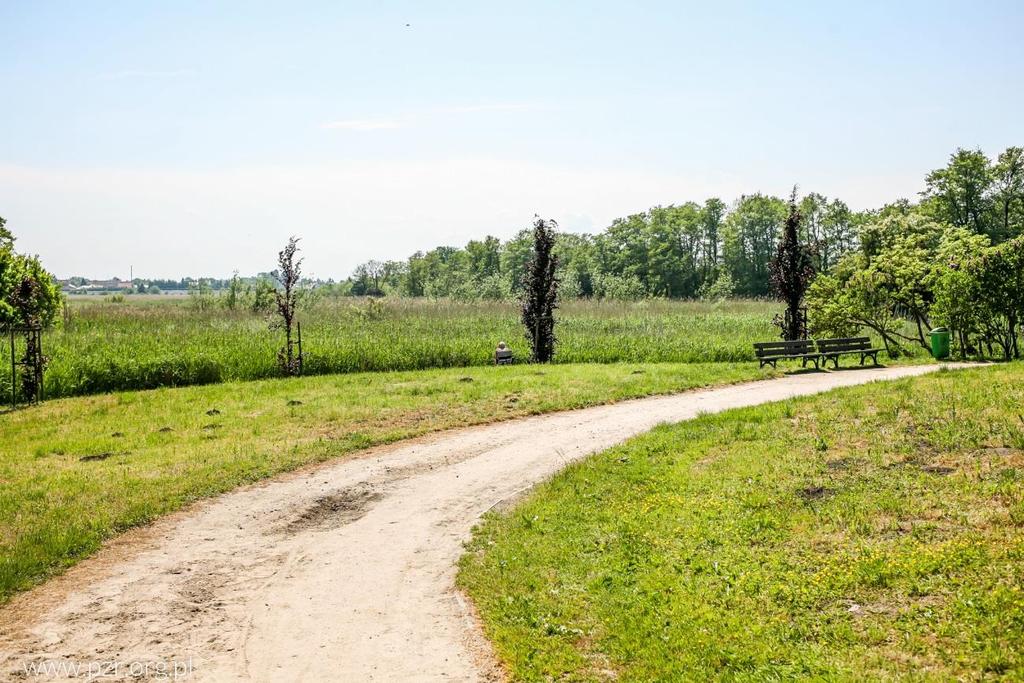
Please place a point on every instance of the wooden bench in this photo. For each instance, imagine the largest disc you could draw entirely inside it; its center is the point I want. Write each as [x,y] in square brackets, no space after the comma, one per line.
[773,352]
[831,349]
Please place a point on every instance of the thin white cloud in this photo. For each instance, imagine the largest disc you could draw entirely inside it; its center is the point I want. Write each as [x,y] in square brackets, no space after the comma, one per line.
[390,123]
[473,108]
[145,73]
[365,124]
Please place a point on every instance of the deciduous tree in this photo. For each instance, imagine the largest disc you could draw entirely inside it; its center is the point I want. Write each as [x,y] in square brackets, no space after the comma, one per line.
[959,193]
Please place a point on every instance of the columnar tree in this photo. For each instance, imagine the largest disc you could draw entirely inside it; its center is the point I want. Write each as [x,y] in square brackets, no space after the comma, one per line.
[540,292]
[286,296]
[790,273]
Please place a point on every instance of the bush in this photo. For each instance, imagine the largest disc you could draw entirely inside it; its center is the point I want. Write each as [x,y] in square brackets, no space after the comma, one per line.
[619,287]
[723,287]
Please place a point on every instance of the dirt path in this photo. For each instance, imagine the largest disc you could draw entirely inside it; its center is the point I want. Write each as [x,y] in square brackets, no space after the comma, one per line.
[344,572]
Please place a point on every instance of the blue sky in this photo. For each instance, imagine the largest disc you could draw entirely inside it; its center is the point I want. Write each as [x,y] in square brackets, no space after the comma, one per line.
[193,138]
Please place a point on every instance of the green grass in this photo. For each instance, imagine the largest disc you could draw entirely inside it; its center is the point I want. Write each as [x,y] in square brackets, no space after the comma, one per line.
[151,342]
[872,533]
[149,453]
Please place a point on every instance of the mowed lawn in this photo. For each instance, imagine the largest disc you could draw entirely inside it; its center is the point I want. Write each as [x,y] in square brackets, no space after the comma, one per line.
[73,472]
[871,533]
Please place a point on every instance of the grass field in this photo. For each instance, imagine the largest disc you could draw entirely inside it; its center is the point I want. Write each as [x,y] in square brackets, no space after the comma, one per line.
[872,533]
[76,471]
[150,342]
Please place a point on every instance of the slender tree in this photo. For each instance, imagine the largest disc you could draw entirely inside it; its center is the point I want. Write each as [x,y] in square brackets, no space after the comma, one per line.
[540,292]
[287,275]
[790,272]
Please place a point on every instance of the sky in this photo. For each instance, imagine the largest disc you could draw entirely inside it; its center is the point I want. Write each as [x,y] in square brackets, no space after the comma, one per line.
[193,138]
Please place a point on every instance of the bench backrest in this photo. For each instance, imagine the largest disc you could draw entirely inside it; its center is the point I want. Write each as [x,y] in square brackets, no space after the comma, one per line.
[846,344]
[798,347]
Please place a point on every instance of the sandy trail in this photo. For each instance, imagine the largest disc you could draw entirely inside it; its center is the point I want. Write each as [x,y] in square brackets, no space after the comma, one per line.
[343,572]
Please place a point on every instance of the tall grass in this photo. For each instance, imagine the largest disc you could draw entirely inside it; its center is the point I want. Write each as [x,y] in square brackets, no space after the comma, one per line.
[148,342]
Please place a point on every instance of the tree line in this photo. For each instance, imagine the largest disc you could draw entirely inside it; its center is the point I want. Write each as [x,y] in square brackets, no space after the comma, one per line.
[710,249]
[679,251]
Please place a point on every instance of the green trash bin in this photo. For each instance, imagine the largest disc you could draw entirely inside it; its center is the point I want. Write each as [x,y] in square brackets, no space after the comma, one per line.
[940,343]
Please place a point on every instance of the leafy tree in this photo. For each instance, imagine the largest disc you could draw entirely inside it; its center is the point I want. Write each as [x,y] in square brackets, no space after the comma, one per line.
[750,235]
[1000,294]
[1008,193]
[369,278]
[515,259]
[904,269]
[791,271]
[889,280]
[838,234]
[959,193]
[287,298]
[6,237]
[29,297]
[577,265]
[851,298]
[712,215]
[484,257]
[626,248]
[955,286]
[675,239]
[812,220]
[35,300]
[540,292]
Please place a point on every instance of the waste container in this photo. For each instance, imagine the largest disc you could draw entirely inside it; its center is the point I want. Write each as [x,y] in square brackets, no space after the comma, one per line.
[940,342]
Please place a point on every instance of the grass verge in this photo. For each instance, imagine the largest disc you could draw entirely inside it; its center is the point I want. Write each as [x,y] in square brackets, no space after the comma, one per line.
[73,472]
[875,532]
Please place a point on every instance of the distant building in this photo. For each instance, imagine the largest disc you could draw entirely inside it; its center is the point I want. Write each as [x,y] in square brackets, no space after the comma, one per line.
[89,286]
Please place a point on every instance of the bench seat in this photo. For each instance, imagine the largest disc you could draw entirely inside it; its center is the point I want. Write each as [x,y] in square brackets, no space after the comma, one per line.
[832,349]
[770,353]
